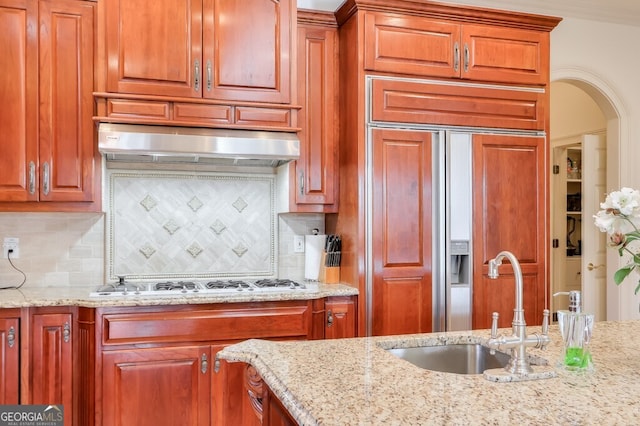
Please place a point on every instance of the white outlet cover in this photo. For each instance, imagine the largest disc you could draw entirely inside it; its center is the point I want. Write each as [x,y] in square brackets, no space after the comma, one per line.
[11,243]
[298,243]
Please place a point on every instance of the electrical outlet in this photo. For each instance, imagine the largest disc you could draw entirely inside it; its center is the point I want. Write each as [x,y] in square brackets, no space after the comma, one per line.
[11,243]
[298,243]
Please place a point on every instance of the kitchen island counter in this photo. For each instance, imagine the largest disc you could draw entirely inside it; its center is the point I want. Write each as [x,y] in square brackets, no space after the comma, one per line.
[357,382]
[80,296]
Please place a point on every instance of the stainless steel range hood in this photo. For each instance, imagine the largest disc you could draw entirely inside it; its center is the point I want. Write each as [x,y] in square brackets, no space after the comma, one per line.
[161,144]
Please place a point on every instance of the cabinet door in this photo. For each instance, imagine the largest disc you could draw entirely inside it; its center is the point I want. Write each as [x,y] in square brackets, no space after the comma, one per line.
[9,360]
[341,317]
[505,55]
[51,355]
[160,386]
[316,175]
[67,149]
[403,44]
[154,48]
[247,49]
[18,97]
[510,213]
[402,232]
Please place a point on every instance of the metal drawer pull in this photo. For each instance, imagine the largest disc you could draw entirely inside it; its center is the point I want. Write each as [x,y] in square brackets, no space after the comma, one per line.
[196,76]
[301,183]
[11,338]
[32,177]
[204,364]
[209,75]
[466,57]
[456,56]
[66,332]
[46,178]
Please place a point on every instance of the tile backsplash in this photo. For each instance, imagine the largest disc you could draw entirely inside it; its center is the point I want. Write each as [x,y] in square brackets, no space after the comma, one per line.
[56,249]
[157,226]
[171,225]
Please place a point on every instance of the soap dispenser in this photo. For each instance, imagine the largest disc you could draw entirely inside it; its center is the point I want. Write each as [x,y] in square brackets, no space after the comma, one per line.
[576,328]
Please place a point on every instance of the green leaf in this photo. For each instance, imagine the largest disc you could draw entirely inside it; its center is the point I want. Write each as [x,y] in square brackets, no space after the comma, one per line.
[622,273]
[637,288]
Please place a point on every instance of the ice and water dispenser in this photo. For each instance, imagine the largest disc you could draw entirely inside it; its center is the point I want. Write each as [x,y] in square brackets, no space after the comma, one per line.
[459,312]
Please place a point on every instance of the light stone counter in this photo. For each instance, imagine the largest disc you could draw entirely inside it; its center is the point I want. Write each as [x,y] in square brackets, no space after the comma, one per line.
[356,382]
[80,296]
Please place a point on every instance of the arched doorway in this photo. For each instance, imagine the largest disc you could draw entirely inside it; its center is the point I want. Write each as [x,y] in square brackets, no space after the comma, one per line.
[591,97]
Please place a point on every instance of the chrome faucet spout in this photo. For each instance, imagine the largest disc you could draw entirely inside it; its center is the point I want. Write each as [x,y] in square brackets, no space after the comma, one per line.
[518,318]
[518,341]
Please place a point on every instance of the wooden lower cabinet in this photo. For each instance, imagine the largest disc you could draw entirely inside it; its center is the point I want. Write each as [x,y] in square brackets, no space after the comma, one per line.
[274,412]
[156,364]
[9,356]
[157,386]
[50,360]
[341,317]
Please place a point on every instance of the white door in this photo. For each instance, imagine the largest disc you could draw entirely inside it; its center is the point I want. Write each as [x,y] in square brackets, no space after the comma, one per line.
[594,243]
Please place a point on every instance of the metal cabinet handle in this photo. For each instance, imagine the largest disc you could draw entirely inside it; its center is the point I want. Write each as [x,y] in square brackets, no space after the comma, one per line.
[204,364]
[196,75]
[466,57]
[456,56]
[329,318]
[46,178]
[209,75]
[591,266]
[11,337]
[301,186]
[66,332]
[32,177]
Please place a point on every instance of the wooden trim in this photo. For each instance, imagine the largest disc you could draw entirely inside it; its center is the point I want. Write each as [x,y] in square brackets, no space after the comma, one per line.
[459,13]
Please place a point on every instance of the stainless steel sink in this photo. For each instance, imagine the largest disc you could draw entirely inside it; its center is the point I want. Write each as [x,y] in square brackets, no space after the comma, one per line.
[470,358]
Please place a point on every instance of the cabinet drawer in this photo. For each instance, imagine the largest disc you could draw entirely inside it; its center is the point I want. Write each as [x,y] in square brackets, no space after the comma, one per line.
[147,110]
[263,116]
[202,113]
[213,323]
[411,101]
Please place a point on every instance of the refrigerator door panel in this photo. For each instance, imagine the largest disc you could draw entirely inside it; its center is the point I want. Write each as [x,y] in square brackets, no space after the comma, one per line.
[458,226]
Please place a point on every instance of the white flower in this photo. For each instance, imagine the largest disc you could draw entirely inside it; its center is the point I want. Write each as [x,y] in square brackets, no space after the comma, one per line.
[606,221]
[626,201]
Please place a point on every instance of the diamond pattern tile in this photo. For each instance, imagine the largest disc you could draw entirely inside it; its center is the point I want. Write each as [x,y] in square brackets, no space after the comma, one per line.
[162,224]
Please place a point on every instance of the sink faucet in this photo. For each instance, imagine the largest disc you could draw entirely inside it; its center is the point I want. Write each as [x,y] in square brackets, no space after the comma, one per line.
[518,341]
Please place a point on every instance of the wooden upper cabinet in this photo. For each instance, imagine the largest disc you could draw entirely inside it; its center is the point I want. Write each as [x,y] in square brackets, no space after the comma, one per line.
[236,50]
[48,151]
[68,163]
[154,48]
[314,182]
[19,99]
[427,47]
[248,49]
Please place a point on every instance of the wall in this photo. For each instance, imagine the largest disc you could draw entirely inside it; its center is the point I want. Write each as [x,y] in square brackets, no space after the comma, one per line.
[573,112]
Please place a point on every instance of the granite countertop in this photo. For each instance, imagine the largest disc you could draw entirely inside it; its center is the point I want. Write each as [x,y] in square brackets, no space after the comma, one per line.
[356,382]
[80,296]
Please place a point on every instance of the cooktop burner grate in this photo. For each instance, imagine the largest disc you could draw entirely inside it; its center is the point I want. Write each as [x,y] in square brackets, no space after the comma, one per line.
[171,285]
[228,284]
[279,283]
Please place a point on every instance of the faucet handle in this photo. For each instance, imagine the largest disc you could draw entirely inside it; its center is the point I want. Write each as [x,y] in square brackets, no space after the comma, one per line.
[545,322]
[494,325]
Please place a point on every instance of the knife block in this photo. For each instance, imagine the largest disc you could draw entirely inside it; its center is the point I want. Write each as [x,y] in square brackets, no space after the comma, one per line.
[328,274]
